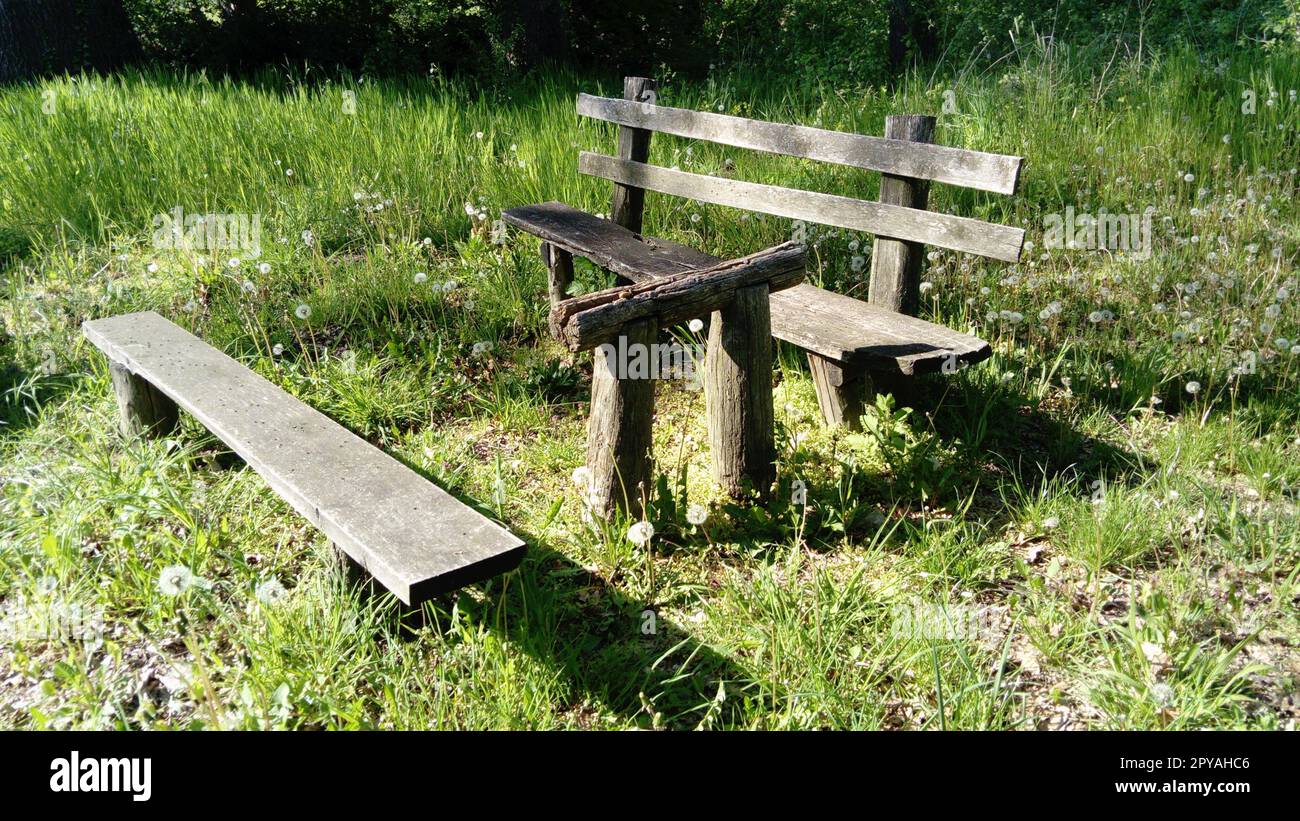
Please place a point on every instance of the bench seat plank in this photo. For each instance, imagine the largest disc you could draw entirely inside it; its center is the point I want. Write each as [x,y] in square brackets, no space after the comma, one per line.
[857,333]
[415,538]
[838,327]
[606,243]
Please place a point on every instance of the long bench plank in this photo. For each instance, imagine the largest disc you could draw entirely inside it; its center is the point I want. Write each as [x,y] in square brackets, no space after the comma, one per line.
[832,325]
[415,538]
[956,233]
[957,166]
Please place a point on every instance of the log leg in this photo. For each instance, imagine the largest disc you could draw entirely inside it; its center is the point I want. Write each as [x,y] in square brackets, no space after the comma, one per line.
[902,387]
[738,393]
[840,391]
[371,593]
[619,430]
[559,268]
[143,410]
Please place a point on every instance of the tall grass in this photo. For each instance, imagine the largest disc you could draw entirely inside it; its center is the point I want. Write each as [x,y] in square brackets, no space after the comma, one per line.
[1114,490]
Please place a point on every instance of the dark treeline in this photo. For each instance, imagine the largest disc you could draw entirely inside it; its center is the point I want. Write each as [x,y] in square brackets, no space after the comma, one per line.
[851,42]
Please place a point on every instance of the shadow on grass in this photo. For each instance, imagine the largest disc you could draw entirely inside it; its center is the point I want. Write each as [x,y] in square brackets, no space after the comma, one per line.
[597,637]
[1005,432]
[22,395]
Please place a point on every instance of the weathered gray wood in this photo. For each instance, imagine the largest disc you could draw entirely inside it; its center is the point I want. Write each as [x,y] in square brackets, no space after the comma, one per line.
[606,243]
[835,326]
[956,233]
[628,203]
[619,428]
[142,410]
[895,264]
[957,166]
[559,272]
[415,538]
[738,392]
[839,391]
[593,319]
[856,333]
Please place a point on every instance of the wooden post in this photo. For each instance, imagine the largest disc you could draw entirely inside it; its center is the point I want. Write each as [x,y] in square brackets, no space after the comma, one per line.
[559,270]
[895,264]
[143,410]
[738,393]
[619,429]
[633,144]
[839,391]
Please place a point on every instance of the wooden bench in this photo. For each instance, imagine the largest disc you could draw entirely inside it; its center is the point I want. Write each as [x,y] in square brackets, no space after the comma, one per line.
[416,539]
[851,344]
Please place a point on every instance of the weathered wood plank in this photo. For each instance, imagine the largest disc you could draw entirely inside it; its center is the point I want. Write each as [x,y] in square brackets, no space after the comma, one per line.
[856,333]
[946,231]
[956,166]
[413,537]
[738,392]
[606,243]
[593,319]
[832,325]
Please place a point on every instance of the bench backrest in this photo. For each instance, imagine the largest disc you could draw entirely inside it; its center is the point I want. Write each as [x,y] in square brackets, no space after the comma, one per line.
[899,159]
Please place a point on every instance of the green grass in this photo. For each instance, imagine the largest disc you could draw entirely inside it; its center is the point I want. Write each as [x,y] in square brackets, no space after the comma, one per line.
[1064,536]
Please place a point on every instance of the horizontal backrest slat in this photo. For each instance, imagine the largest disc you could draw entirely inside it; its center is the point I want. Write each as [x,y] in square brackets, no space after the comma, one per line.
[956,233]
[957,166]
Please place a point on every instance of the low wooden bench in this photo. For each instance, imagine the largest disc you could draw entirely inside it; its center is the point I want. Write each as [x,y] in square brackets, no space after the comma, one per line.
[851,344]
[416,539]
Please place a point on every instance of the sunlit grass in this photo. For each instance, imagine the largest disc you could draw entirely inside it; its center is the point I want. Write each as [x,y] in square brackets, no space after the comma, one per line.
[1104,513]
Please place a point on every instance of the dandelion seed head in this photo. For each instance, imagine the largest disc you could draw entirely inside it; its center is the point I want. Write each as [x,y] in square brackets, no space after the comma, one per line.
[174,580]
[641,533]
[271,592]
[697,514]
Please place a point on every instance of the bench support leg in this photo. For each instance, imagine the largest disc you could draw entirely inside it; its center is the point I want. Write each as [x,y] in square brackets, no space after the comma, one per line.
[619,430]
[370,592]
[559,268]
[143,410]
[840,391]
[900,386]
[738,392]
